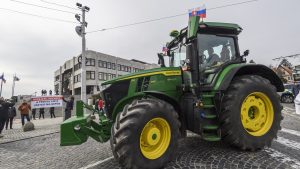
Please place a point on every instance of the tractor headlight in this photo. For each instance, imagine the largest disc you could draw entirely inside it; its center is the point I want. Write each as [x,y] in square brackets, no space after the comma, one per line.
[77,127]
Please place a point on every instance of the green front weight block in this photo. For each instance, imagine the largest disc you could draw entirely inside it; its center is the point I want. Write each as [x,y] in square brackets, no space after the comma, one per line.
[76,130]
[69,133]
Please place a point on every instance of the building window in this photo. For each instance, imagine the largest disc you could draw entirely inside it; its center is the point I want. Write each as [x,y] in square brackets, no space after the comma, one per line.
[113,66]
[78,91]
[104,76]
[102,64]
[108,65]
[101,76]
[119,67]
[108,76]
[77,78]
[90,75]
[129,69]
[77,66]
[90,89]
[113,76]
[122,68]
[57,78]
[90,62]
[126,68]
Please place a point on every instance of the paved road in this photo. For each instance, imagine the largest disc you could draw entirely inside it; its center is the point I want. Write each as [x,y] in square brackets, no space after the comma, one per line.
[45,152]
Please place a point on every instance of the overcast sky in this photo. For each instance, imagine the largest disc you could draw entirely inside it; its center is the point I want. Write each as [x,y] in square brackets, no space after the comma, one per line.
[34,48]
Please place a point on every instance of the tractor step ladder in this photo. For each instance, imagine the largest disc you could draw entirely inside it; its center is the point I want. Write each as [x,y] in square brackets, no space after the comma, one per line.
[210,127]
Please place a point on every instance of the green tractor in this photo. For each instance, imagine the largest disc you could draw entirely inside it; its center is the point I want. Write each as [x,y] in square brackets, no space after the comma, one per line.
[207,88]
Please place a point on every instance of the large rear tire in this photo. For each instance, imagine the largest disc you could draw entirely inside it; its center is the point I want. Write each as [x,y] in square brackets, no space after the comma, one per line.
[145,134]
[251,113]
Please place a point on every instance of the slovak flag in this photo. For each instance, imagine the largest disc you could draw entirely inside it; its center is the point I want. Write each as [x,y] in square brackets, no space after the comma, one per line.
[200,11]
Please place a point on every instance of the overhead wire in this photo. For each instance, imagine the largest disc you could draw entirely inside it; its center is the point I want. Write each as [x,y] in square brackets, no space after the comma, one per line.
[166,17]
[39,16]
[54,9]
[61,5]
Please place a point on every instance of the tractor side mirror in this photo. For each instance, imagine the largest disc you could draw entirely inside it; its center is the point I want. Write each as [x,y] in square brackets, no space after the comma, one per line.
[246,52]
[161,60]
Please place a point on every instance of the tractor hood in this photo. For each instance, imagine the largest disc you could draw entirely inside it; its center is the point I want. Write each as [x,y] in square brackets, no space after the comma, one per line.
[167,71]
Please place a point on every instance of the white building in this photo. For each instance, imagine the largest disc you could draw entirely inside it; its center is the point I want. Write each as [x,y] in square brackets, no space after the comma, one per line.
[99,68]
[296,73]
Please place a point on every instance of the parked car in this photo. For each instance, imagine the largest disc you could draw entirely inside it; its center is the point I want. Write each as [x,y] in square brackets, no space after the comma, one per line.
[287,96]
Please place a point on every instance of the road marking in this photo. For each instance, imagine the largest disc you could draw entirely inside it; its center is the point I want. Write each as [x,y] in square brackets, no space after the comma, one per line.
[288,108]
[293,132]
[97,163]
[289,143]
[292,115]
[282,157]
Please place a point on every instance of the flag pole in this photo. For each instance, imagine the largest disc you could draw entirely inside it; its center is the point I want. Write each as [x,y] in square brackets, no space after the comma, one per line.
[1,83]
[13,86]
[1,87]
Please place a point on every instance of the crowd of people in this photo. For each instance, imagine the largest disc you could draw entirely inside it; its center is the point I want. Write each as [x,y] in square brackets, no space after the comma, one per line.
[8,112]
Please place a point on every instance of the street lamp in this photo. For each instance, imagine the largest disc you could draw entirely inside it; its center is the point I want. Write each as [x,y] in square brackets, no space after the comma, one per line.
[79,5]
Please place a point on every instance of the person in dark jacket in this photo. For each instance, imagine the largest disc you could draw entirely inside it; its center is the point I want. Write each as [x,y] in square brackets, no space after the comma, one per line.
[52,112]
[4,106]
[42,112]
[12,113]
[295,89]
[33,111]
[69,107]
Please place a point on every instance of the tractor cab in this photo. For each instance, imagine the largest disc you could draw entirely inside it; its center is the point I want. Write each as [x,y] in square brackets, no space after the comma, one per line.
[205,53]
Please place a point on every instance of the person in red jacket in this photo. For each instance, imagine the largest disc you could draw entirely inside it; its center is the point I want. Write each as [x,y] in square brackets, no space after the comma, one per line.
[101,105]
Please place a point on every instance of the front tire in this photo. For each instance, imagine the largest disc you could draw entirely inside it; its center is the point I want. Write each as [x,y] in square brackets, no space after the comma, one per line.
[145,134]
[251,113]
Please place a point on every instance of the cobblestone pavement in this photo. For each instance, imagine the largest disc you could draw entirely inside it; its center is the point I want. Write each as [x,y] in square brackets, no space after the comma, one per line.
[42,127]
[45,152]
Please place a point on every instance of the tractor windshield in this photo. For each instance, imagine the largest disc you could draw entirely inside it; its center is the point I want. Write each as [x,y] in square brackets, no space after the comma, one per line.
[215,50]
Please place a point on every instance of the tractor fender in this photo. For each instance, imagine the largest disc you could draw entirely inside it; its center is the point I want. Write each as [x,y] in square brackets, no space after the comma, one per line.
[252,69]
[162,96]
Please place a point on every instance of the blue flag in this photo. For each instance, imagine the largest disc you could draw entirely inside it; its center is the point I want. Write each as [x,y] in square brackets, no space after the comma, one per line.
[2,78]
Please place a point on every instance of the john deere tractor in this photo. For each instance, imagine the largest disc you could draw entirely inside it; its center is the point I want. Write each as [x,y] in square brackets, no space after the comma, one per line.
[204,85]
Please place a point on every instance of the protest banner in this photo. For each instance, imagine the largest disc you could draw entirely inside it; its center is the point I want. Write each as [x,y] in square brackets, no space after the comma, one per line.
[46,101]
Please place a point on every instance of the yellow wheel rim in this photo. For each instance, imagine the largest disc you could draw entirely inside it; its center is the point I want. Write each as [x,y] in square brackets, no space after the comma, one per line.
[155,138]
[257,114]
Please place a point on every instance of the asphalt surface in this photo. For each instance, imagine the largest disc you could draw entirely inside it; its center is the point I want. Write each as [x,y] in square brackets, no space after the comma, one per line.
[45,152]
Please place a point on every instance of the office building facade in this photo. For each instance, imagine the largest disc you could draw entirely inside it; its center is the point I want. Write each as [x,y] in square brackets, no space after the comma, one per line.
[99,68]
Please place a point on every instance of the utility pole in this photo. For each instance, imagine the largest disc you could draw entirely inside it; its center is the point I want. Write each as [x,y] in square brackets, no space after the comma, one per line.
[81,32]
